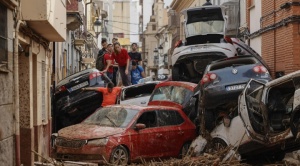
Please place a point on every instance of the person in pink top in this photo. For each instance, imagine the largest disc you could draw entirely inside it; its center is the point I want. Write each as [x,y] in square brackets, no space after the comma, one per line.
[122,58]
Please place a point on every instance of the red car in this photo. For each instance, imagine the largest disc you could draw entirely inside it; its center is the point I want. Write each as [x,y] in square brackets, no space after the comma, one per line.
[121,134]
[180,94]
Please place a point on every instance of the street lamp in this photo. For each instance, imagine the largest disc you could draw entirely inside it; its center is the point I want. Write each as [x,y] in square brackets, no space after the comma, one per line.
[160,50]
[97,27]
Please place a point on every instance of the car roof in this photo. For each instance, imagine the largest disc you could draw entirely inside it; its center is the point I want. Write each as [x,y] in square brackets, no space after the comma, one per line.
[137,107]
[80,73]
[187,85]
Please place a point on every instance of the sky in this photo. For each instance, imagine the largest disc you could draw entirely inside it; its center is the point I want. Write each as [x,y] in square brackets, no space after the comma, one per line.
[167,2]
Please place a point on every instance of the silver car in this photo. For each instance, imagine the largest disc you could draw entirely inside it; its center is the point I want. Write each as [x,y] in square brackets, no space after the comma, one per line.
[266,122]
[137,94]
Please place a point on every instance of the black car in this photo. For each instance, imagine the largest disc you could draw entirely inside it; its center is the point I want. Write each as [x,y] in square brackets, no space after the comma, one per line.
[71,104]
[223,82]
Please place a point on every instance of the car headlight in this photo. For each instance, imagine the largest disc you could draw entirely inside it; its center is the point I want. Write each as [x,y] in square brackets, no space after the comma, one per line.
[98,142]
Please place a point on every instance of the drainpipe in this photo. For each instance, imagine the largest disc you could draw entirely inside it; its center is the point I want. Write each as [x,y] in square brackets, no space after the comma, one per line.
[16,92]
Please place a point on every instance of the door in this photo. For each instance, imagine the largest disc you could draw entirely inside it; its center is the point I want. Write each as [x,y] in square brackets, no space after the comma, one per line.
[148,139]
[173,133]
[252,110]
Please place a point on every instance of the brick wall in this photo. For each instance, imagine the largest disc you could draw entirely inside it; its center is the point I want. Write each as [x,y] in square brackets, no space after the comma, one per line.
[280,46]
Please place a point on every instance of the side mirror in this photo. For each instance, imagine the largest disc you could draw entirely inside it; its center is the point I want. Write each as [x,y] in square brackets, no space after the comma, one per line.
[140,126]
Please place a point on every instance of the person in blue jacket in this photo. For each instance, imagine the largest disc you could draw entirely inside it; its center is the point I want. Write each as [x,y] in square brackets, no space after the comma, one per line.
[137,73]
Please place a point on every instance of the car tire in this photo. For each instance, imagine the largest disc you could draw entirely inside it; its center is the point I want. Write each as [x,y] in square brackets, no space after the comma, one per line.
[119,156]
[218,144]
[184,151]
[210,120]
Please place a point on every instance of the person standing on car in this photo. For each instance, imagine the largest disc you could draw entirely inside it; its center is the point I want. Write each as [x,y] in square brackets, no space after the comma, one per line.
[110,93]
[109,62]
[99,60]
[135,55]
[122,58]
[137,73]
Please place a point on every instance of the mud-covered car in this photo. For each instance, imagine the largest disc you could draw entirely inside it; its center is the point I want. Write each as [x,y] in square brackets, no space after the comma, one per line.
[183,95]
[266,123]
[207,39]
[71,104]
[123,134]
[223,82]
[137,94]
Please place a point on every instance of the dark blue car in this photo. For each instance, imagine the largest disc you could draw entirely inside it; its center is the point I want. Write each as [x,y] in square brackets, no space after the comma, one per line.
[223,82]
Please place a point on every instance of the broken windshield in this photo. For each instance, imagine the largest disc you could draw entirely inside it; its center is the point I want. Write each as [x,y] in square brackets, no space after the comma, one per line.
[205,27]
[176,94]
[112,117]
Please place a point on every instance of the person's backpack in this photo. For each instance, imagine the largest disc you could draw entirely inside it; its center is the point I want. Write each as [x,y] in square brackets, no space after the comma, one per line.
[100,60]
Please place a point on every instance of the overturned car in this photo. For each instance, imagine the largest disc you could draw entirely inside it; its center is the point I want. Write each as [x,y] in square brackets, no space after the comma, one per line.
[266,123]
[208,38]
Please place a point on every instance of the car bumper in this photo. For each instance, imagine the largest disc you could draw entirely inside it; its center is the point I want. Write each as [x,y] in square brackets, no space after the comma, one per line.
[218,95]
[98,154]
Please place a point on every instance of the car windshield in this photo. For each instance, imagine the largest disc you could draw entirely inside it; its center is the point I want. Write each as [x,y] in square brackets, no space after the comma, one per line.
[205,27]
[112,117]
[176,94]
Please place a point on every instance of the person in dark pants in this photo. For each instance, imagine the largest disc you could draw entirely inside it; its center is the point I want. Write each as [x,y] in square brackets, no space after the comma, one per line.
[109,62]
[99,60]
[135,55]
[122,58]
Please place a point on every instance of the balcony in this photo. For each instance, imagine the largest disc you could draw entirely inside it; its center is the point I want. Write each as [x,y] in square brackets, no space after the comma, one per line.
[46,17]
[173,19]
[74,14]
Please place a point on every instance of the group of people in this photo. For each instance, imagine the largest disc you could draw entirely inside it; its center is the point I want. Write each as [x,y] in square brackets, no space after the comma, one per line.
[129,69]
[113,55]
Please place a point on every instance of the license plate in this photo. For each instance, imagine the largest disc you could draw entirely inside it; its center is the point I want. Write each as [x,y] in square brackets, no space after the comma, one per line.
[235,87]
[79,86]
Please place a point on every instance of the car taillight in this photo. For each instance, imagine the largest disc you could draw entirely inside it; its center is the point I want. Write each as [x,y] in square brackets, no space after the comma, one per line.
[228,39]
[178,43]
[260,69]
[208,77]
[94,75]
[61,89]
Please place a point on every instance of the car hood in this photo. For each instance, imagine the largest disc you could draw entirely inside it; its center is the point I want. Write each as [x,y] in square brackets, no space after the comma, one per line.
[87,131]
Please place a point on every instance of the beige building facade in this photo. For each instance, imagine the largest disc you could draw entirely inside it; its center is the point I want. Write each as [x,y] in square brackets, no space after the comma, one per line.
[25,77]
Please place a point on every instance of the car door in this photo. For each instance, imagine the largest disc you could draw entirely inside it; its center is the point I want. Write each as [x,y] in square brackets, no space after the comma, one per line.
[148,139]
[173,133]
[251,111]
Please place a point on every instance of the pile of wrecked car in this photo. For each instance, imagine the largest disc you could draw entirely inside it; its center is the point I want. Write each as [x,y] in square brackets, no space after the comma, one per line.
[221,92]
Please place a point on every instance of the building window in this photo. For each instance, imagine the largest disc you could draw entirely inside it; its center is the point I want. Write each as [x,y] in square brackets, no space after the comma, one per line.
[3,36]
[43,78]
[153,27]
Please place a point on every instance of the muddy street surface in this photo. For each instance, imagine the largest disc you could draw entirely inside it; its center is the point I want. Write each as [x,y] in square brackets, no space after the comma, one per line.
[291,159]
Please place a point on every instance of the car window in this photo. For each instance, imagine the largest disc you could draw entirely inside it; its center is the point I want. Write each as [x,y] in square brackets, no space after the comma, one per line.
[176,94]
[169,118]
[148,118]
[112,117]
[233,62]
[205,27]
[138,91]
[254,92]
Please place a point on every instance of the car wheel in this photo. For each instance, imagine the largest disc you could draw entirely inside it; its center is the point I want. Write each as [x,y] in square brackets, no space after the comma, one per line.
[184,150]
[119,156]
[218,145]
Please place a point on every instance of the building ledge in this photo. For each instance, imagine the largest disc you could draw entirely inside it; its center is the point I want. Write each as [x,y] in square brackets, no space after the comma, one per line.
[74,20]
